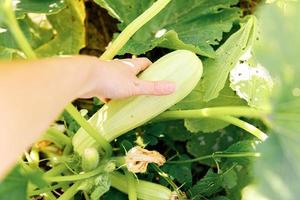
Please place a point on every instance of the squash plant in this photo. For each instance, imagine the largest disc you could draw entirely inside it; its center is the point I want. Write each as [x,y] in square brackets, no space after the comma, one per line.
[208,140]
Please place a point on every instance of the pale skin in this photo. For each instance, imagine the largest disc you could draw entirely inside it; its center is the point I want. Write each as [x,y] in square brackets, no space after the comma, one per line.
[34,93]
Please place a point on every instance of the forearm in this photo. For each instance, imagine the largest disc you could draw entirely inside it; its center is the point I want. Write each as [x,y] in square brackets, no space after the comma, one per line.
[32,95]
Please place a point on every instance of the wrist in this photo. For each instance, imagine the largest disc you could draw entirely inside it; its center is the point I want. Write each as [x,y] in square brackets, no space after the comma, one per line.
[80,74]
[88,67]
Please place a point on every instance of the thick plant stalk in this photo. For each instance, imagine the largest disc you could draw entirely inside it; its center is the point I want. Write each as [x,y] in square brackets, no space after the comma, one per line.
[236,111]
[106,167]
[46,190]
[222,113]
[70,193]
[244,125]
[132,28]
[57,137]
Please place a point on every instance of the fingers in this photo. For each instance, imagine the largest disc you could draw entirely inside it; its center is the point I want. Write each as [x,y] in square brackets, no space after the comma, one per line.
[137,64]
[154,87]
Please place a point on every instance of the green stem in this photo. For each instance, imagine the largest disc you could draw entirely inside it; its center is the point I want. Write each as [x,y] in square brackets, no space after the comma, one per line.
[68,150]
[77,177]
[217,155]
[45,190]
[211,112]
[56,170]
[132,28]
[89,129]
[13,26]
[244,125]
[221,113]
[132,195]
[120,160]
[56,136]
[168,179]
[49,196]
[70,193]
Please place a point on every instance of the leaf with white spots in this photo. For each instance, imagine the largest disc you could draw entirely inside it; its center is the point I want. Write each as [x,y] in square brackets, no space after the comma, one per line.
[216,70]
[34,31]
[36,6]
[49,35]
[252,83]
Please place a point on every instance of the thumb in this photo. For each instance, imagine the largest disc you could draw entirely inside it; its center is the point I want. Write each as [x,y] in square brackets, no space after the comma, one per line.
[155,87]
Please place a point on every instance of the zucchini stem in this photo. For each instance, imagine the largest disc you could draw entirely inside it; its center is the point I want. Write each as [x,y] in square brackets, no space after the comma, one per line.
[244,125]
[57,137]
[236,111]
[218,155]
[227,114]
[169,180]
[132,28]
[77,177]
[49,196]
[56,170]
[69,193]
[89,129]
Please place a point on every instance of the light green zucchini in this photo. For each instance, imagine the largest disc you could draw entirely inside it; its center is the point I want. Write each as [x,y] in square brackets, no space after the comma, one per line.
[119,116]
[145,190]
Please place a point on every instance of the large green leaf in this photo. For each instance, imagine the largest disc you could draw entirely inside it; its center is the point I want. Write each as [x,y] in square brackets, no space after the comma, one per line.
[233,175]
[35,34]
[211,183]
[278,171]
[14,186]
[184,24]
[38,6]
[57,34]
[241,174]
[23,7]
[227,56]
[70,31]
[206,144]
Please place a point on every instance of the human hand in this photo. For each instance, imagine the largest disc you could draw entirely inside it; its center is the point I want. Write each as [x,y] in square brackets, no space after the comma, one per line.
[118,79]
